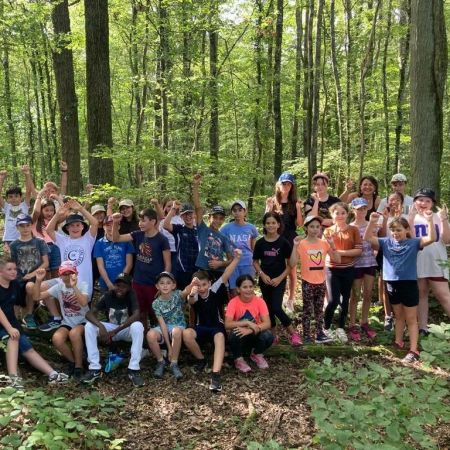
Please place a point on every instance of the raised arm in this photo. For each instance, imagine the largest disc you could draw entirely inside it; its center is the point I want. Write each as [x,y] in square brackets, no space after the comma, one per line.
[167,224]
[116,236]
[29,185]
[445,228]
[37,207]
[57,218]
[64,170]
[230,268]
[109,208]
[345,196]
[369,234]
[157,207]
[299,218]
[196,198]
[93,222]
[431,235]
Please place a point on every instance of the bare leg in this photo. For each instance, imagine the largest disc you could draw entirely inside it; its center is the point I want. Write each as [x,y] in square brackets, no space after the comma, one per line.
[29,302]
[399,323]
[37,361]
[76,338]
[219,351]
[59,339]
[177,339]
[12,355]
[422,309]
[354,300]
[442,293]
[410,314]
[382,296]
[369,282]
[190,342]
[153,337]
[292,286]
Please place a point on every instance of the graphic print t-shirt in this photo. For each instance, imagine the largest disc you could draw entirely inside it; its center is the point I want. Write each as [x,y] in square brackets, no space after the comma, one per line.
[213,246]
[28,255]
[118,310]
[72,312]
[312,260]
[272,255]
[11,212]
[253,310]
[78,251]
[149,256]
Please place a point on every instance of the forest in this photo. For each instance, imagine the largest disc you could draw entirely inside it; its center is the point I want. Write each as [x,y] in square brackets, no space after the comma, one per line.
[141,94]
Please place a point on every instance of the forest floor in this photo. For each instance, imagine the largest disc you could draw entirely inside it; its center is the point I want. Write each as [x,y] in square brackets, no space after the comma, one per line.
[274,409]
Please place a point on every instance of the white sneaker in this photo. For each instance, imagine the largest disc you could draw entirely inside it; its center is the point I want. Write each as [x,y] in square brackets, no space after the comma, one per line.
[330,334]
[341,335]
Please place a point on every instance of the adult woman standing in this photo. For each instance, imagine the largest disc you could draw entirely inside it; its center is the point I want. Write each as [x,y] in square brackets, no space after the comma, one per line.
[286,203]
[367,189]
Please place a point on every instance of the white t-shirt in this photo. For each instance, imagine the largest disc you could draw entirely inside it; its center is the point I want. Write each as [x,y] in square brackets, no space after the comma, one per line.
[429,257]
[78,251]
[176,220]
[72,312]
[11,212]
[407,203]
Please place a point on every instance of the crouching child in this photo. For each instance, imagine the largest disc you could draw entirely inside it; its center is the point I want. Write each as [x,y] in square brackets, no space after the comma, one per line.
[120,305]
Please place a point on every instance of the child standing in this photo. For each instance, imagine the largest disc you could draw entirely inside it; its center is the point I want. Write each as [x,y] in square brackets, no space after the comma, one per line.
[340,275]
[365,271]
[400,275]
[152,257]
[242,235]
[248,322]
[270,259]
[312,252]
[186,241]
[168,308]
[120,306]
[209,321]
[29,254]
[13,205]
[10,295]
[73,300]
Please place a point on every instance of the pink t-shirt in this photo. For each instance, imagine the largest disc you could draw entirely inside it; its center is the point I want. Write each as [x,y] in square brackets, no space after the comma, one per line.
[312,260]
[253,310]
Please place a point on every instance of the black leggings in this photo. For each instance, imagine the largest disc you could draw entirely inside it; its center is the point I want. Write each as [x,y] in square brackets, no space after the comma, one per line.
[340,284]
[273,296]
[259,343]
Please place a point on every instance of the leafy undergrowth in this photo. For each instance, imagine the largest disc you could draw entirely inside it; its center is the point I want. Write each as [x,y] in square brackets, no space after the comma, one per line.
[39,418]
[436,347]
[370,405]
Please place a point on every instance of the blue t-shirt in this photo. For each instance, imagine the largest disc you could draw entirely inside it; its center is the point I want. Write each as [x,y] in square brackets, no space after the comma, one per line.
[399,258]
[213,246]
[240,236]
[149,256]
[114,256]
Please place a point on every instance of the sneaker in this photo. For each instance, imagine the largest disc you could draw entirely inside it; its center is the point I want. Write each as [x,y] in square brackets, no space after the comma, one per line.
[242,365]
[199,367]
[77,373]
[354,334]
[330,334]
[70,369]
[341,335]
[295,340]
[259,360]
[307,340]
[29,322]
[159,370]
[371,334]
[216,384]
[58,378]
[91,376]
[388,323]
[135,377]
[423,333]
[113,362]
[323,338]
[16,382]
[411,357]
[50,325]
[176,372]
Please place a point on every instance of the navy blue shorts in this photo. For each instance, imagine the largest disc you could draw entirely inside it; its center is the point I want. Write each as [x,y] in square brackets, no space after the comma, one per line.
[24,343]
[54,257]
[206,334]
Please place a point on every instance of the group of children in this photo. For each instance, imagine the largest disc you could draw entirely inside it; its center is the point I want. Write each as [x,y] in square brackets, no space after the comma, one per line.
[150,265]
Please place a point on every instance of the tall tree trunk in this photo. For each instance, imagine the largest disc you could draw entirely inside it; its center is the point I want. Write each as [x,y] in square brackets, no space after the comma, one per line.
[66,95]
[278,126]
[366,70]
[348,82]
[387,36]
[298,76]
[32,149]
[337,82]
[98,92]
[325,96]
[428,75]
[268,129]
[405,15]
[213,85]
[316,93]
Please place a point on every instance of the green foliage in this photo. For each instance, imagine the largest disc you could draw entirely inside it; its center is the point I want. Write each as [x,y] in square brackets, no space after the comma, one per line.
[374,406]
[269,445]
[41,419]
[436,347]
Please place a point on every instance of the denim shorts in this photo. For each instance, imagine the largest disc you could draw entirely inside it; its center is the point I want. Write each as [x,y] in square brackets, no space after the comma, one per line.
[170,328]
[54,257]
[24,343]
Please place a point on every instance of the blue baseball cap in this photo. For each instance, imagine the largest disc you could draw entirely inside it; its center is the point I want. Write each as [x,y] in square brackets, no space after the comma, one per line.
[359,202]
[286,176]
[23,219]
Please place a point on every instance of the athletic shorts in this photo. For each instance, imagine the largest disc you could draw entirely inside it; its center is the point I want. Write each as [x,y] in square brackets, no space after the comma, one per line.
[170,329]
[403,292]
[361,271]
[206,334]
[24,342]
